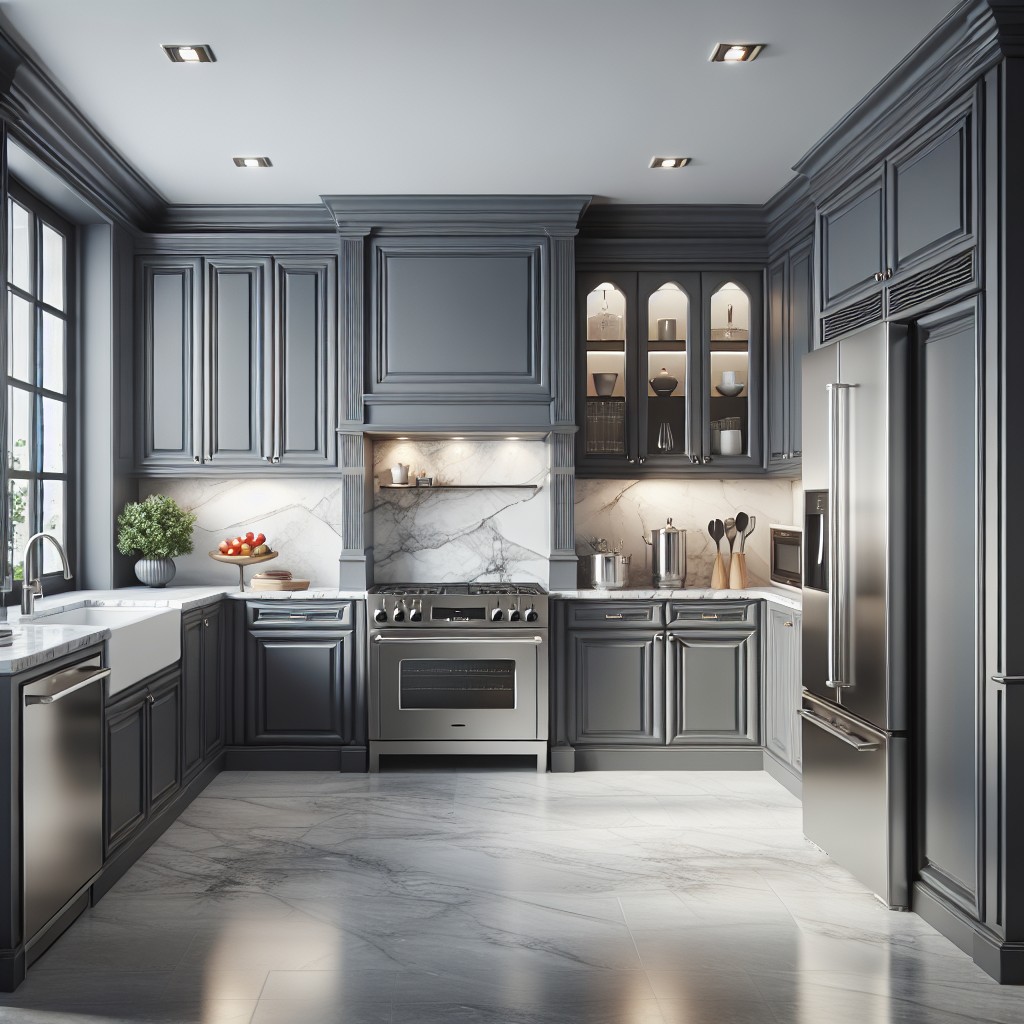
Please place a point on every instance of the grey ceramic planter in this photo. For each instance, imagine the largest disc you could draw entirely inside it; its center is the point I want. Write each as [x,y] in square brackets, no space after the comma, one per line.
[155,572]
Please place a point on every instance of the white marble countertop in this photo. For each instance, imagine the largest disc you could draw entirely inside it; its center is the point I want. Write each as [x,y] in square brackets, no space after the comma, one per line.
[35,643]
[775,595]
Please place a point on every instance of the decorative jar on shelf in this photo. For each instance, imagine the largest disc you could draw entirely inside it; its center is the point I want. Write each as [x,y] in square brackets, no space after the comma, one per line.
[664,384]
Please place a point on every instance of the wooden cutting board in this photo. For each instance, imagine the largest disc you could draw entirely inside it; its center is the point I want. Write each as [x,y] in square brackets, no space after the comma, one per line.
[279,584]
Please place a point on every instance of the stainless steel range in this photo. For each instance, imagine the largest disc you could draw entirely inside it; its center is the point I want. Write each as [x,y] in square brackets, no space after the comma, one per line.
[458,669]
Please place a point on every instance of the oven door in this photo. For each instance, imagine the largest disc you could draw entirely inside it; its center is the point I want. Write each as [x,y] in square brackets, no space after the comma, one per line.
[437,687]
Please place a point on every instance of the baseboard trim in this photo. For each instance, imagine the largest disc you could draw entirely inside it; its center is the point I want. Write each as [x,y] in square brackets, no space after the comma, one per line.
[296,759]
[1001,960]
[668,759]
[784,773]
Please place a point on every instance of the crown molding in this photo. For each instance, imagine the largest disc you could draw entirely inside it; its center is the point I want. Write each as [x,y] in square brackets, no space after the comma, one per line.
[311,217]
[641,220]
[48,125]
[360,216]
[789,215]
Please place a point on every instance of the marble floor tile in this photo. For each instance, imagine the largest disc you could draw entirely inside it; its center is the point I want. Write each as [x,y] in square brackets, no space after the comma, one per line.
[469,895]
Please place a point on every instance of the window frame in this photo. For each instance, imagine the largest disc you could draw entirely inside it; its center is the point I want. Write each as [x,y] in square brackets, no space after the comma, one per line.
[44,214]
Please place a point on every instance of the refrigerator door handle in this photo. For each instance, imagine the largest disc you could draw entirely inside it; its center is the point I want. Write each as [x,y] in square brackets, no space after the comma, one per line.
[838,529]
[861,745]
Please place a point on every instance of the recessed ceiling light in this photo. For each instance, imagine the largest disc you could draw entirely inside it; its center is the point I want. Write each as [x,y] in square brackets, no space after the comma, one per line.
[736,53]
[252,161]
[189,53]
[669,161]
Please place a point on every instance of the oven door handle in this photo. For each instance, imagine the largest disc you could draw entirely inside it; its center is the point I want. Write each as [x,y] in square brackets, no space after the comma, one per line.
[378,639]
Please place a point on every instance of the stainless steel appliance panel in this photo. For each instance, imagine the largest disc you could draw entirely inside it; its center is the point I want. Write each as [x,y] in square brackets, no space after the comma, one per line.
[62,739]
[785,553]
[407,712]
[874,363]
[855,798]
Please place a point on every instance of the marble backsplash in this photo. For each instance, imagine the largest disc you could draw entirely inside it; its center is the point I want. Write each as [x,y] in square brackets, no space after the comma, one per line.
[489,531]
[301,519]
[627,510]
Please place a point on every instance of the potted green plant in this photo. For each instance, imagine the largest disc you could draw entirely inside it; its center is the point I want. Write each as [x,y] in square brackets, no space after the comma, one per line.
[157,529]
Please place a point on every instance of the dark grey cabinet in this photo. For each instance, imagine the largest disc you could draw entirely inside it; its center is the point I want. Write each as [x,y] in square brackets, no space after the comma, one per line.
[618,688]
[238,363]
[901,236]
[670,371]
[782,684]
[202,684]
[142,755]
[712,691]
[790,335]
[630,682]
[302,678]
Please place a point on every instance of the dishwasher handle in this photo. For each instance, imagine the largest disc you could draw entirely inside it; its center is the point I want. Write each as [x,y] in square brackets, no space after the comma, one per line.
[52,698]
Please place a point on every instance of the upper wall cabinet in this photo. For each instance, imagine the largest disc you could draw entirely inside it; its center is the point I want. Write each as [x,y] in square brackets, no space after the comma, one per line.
[237,368]
[457,311]
[790,336]
[670,372]
[903,234]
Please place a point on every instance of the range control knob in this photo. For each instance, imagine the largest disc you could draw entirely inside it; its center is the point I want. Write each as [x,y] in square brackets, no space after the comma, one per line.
[497,615]
[513,614]
[415,613]
[399,614]
[531,614]
[380,615]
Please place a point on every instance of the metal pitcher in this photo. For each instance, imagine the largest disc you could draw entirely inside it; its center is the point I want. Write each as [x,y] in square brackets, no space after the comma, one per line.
[668,556]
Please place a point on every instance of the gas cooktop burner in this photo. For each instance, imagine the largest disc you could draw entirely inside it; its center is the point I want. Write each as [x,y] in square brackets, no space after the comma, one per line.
[453,589]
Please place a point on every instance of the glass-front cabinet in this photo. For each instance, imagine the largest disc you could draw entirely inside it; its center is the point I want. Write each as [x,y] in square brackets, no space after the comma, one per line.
[670,372]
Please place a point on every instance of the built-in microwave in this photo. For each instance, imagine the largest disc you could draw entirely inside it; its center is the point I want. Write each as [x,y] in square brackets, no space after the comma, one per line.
[786,555]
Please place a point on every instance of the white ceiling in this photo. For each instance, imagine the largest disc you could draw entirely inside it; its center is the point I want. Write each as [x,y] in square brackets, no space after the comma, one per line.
[468,96]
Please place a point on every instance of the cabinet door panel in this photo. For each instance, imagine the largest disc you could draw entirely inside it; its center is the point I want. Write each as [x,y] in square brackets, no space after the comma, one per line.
[305,321]
[782,684]
[124,771]
[296,684]
[932,183]
[713,689]
[800,333]
[236,293]
[618,688]
[170,398]
[778,368]
[213,681]
[164,762]
[192,692]
[852,240]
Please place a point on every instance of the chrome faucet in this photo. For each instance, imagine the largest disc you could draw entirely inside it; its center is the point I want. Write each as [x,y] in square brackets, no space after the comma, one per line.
[31,584]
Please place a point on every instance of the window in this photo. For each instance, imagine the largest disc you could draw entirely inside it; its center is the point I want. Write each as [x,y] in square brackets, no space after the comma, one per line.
[40,336]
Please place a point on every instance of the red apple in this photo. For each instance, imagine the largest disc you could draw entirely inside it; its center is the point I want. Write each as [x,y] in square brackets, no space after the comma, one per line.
[223,546]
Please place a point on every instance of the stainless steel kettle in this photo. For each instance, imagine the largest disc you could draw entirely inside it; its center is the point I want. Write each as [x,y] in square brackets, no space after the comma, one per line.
[668,556]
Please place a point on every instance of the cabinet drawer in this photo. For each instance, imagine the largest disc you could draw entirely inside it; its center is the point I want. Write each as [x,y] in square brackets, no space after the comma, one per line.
[307,615]
[617,613]
[713,614]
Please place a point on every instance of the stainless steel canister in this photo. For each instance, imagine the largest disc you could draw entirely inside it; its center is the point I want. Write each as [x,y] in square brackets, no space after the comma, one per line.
[609,570]
[668,556]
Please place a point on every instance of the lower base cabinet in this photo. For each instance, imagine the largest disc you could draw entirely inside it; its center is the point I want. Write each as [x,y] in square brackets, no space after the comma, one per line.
[142,758]
[782,685]
[685,674]
[300,685]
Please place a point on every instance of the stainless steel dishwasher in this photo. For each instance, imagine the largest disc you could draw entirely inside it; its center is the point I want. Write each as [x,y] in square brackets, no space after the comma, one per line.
[62,816]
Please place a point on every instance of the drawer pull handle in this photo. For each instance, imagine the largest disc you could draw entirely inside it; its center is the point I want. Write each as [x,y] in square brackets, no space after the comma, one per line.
[617,615]
[788,625]
[704,615]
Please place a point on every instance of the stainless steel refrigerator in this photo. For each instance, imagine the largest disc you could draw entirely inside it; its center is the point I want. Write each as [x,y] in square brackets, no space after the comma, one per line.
[854,710]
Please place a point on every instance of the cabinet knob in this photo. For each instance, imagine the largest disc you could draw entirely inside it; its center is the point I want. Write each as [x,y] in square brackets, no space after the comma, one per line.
[795,455]
[659,636]
[879,275]
[269,458]
[694,459]
[632,462]
[788,625]
[195,458]
[642,459]
[706,459]
[206,622]
[888,273]
[150,698]
[208,459]
[276,459]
